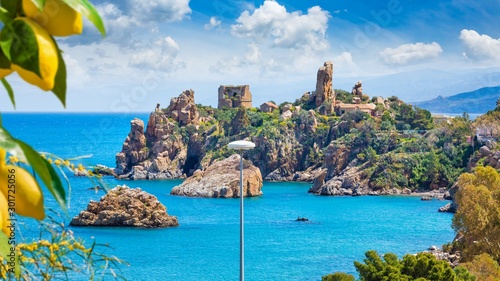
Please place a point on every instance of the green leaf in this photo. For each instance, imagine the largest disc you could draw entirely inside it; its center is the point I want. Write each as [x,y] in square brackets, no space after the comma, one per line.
[9,9]
[85,8]
[46,173]
[4,15]
[5,251]
[10,92]
[4,245]
[19,44]
[60,80]
[41,166]
[4,61]
[8,143]
[39,4]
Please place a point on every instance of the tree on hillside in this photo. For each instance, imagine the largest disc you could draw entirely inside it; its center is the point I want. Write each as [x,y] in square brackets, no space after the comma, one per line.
[489,123]
[423,120]
[338,276]
[484,267]
[478,214]
[421,267]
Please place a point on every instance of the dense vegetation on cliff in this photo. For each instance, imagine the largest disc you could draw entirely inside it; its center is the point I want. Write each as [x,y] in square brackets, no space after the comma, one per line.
[397,146]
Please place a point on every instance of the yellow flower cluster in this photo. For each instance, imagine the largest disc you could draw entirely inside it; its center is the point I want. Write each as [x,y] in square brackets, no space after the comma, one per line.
[56,254]
[77,169]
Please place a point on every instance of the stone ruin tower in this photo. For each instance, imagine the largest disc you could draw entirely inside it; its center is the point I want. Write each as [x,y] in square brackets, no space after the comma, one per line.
[324,90]
[235,96]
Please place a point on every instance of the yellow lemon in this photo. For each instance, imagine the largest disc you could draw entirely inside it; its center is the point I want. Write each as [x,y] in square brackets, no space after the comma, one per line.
[47,55]
[5,72]
[57,17]
[3,154]
[28,195]
[4,215]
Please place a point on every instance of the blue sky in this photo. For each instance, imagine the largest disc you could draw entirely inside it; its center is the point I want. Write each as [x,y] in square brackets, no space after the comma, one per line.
[155,49]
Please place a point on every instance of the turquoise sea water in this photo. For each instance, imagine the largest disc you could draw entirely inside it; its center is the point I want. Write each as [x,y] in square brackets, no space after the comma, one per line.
[206,244]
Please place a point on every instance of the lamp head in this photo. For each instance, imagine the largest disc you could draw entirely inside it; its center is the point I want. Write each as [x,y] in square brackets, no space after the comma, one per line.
[241,145]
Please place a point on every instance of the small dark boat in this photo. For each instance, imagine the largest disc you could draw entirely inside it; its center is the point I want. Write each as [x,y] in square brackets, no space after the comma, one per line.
[302,219]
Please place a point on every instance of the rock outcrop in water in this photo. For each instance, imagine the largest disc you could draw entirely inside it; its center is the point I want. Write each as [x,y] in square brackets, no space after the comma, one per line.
[134,149]
[124,206]
[222,179]
[160,152]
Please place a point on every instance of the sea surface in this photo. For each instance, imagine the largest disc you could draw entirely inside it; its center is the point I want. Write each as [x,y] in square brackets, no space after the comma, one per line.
[206,244]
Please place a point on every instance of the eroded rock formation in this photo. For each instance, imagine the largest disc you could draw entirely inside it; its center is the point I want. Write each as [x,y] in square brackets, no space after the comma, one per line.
[183,109]
[222,179]
[160,152]
[134,148]
[324,90]
[357,90]
[124,206]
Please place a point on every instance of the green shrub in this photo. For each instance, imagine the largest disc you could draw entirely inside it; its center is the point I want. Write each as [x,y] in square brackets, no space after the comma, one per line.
[423,266]
[338,276]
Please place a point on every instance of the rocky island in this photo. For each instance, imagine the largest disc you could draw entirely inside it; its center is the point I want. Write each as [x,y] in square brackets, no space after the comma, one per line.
[343,142]
[124,206]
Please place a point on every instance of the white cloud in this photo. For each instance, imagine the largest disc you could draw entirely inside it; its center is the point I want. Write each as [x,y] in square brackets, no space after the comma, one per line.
[286,30]
[251,57]
[160,56]
[344,58]
[117,23]
[77,75]
[124,20]
[160,10]
[213,23]
[410,53]
[253,54]
[479,46]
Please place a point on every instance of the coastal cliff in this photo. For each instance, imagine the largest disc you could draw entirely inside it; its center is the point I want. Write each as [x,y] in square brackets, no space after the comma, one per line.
[341,141]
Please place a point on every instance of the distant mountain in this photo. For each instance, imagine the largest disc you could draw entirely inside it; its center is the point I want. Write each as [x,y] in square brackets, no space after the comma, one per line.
[478,101]
[422,85]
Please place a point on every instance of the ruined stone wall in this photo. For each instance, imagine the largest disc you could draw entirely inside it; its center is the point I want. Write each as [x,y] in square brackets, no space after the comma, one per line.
[235,96]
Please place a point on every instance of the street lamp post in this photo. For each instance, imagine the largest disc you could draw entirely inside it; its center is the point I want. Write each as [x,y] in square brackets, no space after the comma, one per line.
[240,146]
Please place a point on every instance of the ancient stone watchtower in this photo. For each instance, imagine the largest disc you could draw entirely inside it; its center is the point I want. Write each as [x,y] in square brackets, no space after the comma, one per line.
[235,96]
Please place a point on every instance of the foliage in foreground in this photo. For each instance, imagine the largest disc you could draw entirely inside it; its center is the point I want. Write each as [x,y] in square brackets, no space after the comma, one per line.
[478,216]
[28,47]
[61,256]
[420,267]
